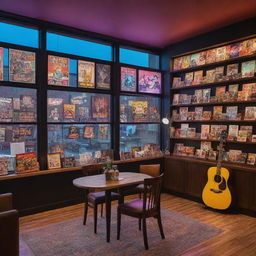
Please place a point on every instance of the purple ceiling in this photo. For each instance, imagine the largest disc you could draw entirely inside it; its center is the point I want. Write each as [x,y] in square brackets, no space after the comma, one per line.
[150,22]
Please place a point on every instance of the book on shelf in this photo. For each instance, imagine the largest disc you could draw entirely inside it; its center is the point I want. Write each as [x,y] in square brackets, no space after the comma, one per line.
[250,113]
[198,113]
[248,68]
[234,50]
[211,56]
[191,116]
[242,136]
[217,112]
[221,53]
[207,115]
[53,161]
[231,112]
[205,131]
[254,138]
[251,159]
[183,113]
[249,129]
[68,162]
[219,92]
[206,145]
[210,76]
[26,162]
[4,163]
[176,82]
[189,78]
[198,77]
[219,73]
[232,71]
[233,132]
[212,155]
[198,96]
[199,153]
[206,95]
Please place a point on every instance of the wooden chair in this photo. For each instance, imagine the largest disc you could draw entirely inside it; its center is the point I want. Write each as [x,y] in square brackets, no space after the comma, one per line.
[93,199]
[144,208]
[152,170]
[9,227]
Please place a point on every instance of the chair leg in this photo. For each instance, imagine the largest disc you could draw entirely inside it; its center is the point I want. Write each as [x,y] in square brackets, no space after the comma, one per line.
[145,233]
[118,223]
[160,226]
[85,207]
[101,211]
[95,217]
[139,223]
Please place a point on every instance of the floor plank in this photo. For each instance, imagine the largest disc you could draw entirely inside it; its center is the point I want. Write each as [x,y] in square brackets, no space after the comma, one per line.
[238,238]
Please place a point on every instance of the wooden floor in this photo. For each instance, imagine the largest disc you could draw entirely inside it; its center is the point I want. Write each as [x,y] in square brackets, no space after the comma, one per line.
[238,238]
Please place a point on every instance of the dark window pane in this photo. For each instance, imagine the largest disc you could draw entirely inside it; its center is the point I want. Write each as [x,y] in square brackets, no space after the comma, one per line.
[19,35]
[83,142]
[12,137]
[70,45]
[17,104]
[137,135]
[139,109]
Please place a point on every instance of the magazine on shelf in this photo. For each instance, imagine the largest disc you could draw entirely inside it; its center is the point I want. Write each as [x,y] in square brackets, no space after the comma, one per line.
[211,56]
[88,132]
[69,111]
[150,81]
[205,131]
[206,145]
[249,129]
[6,106]
[250,113]
[103,132]
[100,107]
[68,162]
[4,163]
[103,76]
[217,112]
[86,74]
[232,70]
[198,77]
[26,162]
[198,113]
[232,112]
[22,66]
[206,95]
[73,132]
[58,70]
[128,79]
[189,78]
[234,50]
[251,159]
[183,113]
[53,161]
[219,73]
[140,110]
[220,53]
[199,96]
[233,132]
[194,60]
[185,61]
[210,76]
[248,68]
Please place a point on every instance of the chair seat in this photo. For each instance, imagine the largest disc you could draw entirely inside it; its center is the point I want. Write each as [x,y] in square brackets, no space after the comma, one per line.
[99,197]
[135,206]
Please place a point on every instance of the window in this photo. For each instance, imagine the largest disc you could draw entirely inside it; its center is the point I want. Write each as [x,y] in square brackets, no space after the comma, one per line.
[17,105]
[138,135]
[19,35]
[139,109]
[71,45]
[139,58]
[83,130]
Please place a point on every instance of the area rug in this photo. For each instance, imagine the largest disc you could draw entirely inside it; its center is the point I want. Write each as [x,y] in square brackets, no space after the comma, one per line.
[71,238]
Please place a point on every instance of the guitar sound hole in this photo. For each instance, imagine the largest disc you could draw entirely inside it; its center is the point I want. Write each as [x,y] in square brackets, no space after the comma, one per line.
[217,178]
[223,185]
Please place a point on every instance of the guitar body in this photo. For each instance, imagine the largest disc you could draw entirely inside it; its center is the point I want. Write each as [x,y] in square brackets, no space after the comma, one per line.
[216,193]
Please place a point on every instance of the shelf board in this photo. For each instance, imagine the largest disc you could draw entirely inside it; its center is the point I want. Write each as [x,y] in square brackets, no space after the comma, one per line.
[199,139]
[244,167]
[237,81]
[214,121]
[248,57]
[248,102]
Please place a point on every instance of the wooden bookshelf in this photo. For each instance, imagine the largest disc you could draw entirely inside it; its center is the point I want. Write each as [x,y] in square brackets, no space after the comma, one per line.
[219,83]
[212,140]
[215,64]
[247,102]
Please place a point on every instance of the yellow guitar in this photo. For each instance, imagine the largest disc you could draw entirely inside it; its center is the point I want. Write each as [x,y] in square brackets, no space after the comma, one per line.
[216,193]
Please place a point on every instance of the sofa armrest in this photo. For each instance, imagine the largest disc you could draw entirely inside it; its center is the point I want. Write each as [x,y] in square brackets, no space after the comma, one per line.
[6,202]
[9,233]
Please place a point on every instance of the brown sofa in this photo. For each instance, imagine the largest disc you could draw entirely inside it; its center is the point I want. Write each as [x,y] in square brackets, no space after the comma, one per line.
[9,227]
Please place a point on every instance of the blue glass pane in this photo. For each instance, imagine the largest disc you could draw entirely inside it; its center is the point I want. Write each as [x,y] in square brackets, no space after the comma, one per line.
[19,35]
[73,73]
[6,64]
[65,44]
[138,58]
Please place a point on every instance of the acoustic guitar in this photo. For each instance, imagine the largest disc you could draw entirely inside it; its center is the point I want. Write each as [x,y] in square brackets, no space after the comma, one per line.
[216,193]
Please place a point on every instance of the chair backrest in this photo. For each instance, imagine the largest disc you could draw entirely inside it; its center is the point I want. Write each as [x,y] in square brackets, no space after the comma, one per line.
[152,169]
[152,192]
[89,170]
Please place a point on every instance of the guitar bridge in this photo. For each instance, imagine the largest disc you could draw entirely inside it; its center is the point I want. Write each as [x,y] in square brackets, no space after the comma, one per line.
[216,191]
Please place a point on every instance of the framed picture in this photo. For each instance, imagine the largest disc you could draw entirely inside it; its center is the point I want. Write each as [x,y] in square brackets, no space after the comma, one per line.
[53,161]
[58,70]
[22,66]
[100,107]
[89,132]
[150,81]
[128,79]
[103,74]
[86,74]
